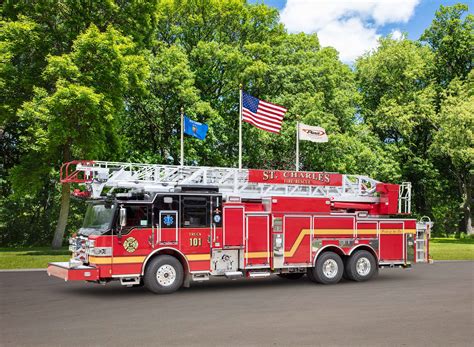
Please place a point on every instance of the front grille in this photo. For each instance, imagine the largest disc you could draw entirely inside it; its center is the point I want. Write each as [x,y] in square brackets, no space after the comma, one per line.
[77,245]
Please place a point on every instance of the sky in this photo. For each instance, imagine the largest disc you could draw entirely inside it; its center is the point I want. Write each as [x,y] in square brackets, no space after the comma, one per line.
[354,26]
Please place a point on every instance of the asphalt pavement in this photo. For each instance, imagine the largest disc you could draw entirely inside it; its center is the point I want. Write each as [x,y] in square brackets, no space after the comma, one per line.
[428,305]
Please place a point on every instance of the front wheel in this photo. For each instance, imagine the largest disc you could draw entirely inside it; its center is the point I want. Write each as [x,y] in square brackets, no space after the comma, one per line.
[164,275]
[328,269]
[361,266]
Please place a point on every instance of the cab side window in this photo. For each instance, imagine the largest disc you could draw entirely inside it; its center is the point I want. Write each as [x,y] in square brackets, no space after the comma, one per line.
[195,211]
[162,204]
[138,216]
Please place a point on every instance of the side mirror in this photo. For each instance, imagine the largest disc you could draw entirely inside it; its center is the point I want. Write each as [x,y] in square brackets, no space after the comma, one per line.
[122,220]
[123,216]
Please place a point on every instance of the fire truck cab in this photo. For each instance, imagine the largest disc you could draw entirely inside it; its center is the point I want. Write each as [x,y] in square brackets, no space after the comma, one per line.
[165,232]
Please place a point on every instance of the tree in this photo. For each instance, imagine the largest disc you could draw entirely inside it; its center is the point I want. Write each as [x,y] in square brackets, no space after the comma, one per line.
[75,87]
[454,139]
[399,105]
[78,118]
[451,38]
[155,115]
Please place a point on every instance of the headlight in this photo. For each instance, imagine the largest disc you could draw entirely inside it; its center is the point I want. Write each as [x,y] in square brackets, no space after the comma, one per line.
[100,251]
[72,244]
[90,243]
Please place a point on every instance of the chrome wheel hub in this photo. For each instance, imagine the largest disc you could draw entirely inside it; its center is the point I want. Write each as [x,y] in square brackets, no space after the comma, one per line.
[363,266]
[166,275]
[330,268]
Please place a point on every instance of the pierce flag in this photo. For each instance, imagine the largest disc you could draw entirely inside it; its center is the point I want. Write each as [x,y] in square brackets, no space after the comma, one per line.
[312,133]
[195,129]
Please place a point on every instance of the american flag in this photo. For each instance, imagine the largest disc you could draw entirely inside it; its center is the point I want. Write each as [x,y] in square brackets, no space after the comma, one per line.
[262,114]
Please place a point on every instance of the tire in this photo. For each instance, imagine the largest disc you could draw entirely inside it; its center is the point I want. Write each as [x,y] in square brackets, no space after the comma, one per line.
[346,275]
[328,269]
[361,266]
[291,276]
[164,275]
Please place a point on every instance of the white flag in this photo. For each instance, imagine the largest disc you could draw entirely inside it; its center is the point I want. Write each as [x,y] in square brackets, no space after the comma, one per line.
[311,133]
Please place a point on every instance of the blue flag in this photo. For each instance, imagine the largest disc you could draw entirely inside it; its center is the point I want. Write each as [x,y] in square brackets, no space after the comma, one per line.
[195,129]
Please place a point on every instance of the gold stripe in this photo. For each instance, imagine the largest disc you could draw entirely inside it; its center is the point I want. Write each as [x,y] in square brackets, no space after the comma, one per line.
[385,231]
[295,246]
[130,260]
[305,232]
[116,260]
[251,255]
[290,253]
[195,257]
[390,231]
[333,231]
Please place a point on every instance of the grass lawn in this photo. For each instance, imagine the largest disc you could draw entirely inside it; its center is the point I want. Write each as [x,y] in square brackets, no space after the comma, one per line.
[39,257]
[452,249]
[29,258]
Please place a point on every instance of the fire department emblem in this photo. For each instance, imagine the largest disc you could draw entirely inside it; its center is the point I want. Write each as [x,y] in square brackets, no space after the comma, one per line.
[130,244]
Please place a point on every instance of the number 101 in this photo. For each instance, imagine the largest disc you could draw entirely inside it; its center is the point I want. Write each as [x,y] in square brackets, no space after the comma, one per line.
[195,241]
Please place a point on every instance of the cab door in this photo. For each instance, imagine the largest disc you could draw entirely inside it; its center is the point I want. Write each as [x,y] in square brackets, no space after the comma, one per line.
[195,230]
[132,241]
[166,220]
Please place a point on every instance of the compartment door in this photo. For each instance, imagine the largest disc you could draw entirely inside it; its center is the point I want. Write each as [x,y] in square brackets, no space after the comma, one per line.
[257,246]
[391,241]
[298,237]
[233,226]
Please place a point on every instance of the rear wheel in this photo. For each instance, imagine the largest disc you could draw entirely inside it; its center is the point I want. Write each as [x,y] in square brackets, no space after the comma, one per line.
[164,274]
[291,276]
[328,269]
[361,266]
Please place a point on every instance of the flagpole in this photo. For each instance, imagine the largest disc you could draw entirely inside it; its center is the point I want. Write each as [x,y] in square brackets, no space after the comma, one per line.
[182,136]
[297,146]
[240,126]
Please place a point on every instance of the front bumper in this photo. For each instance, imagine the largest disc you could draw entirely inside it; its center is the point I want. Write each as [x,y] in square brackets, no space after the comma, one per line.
[67,273]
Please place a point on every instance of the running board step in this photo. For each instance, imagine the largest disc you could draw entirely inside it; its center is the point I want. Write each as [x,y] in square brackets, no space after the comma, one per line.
[201,277]
[129,281]
[233,274]
[259,274]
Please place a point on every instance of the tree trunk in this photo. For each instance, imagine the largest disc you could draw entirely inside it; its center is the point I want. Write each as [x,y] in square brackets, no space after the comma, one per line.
[65,200]
[63,215]
[467,205]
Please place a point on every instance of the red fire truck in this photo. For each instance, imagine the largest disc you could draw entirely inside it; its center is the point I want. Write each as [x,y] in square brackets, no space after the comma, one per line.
[166,226]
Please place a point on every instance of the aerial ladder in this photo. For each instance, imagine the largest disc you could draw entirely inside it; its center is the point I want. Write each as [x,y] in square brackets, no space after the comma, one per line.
[351,191]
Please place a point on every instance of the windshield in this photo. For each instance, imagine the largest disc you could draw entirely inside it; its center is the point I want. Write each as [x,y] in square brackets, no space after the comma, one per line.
[98,219]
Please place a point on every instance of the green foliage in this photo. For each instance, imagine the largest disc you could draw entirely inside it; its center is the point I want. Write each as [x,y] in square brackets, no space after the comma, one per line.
[452,37]
[107,80]
[78,117]
[409,102]
[454,137]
